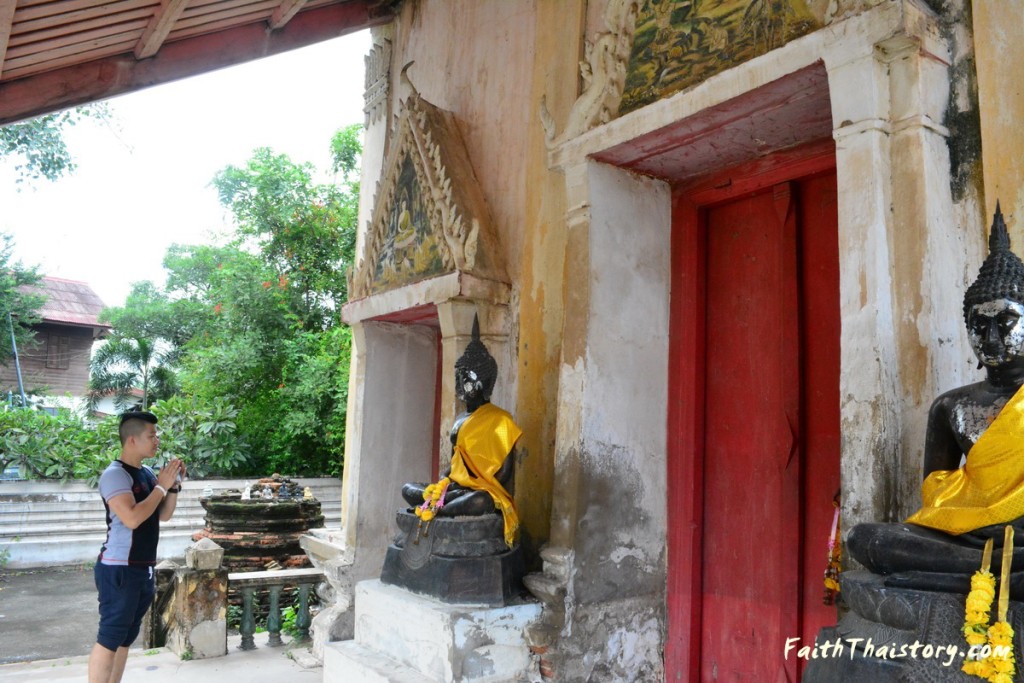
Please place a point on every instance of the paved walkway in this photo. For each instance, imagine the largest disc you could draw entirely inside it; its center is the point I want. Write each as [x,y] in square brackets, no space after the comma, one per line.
[262,665]
[48,623]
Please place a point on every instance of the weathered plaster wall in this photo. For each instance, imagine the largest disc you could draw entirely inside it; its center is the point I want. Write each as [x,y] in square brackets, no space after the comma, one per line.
[618,528]
[587,256]
[1000,53]
[542,276]
[475,59]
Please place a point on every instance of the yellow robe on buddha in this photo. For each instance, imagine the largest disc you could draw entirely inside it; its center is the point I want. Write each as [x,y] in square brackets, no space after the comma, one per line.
[989,488]
[485,439]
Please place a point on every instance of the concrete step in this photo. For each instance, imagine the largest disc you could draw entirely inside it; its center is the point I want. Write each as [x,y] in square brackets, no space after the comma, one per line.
[347,661]
[442,641]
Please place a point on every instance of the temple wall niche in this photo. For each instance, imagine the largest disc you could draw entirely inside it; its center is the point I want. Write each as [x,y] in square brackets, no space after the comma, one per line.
[479,61]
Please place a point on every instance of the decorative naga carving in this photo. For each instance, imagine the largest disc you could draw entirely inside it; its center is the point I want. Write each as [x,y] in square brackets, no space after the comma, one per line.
[429,215]
[603,71]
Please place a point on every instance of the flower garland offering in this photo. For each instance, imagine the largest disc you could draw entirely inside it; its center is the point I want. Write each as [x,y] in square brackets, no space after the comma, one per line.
[433,501]
[998,665]
[978,608]
[835,554]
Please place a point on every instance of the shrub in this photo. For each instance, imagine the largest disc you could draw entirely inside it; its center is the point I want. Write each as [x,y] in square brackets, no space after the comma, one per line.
[203,434]
[61,446]
[64,446]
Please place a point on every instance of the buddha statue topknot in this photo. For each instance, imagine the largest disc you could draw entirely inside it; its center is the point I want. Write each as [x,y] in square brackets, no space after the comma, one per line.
[974,450]
[458,539]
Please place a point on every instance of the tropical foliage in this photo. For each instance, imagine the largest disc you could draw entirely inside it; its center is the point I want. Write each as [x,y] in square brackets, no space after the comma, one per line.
[251,326]
[59,446]
[64,446]
[123,364]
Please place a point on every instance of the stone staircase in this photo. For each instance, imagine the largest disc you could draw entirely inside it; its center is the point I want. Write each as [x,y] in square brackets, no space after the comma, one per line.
[46,523]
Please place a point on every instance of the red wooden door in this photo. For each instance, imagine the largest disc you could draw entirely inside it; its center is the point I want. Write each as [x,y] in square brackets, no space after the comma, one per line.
[756,342]
[748,562]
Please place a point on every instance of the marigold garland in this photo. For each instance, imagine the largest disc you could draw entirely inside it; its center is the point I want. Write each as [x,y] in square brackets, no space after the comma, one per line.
[999,665]
[433,499]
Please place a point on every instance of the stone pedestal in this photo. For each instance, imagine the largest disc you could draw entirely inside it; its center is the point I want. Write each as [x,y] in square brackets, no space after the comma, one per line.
[895,635]
[199,606]
[403,637]
[255,532]
[455,559]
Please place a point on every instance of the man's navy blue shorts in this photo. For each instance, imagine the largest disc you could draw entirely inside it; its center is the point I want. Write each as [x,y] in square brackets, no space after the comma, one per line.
[125,593]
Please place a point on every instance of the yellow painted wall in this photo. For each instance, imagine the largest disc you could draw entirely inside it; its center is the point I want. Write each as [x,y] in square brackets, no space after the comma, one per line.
[541,278]
[999,51]
[490,62]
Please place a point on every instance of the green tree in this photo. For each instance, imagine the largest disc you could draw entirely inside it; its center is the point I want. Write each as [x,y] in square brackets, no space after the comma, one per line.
[37,146]
[124,364]
[252,325]
[295,224]
[19,304]
[149,313]
[205,435]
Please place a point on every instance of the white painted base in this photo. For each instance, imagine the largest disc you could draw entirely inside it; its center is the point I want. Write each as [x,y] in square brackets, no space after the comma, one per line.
[401,636]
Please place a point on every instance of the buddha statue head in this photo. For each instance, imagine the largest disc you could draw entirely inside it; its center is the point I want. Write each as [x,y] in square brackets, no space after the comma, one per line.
[475,371]
[994,303]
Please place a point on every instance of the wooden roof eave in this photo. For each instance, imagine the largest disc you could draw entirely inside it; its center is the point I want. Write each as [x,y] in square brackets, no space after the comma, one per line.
[97,79]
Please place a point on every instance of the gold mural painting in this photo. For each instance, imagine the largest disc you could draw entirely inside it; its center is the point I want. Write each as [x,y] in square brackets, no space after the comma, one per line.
[410,250]
[679,43]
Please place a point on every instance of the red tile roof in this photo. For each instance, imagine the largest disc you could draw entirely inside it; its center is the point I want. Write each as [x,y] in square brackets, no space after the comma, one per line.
[69,302]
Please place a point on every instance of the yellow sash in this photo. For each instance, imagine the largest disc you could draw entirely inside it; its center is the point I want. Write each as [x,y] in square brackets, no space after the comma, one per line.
[485,440]
[989,488]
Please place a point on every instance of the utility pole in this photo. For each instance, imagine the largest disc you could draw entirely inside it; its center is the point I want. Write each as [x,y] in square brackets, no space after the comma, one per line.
[17,364]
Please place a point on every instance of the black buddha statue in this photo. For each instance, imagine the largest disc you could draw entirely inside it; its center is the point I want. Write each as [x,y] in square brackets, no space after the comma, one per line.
[480,477]
[458,540]
[974,450]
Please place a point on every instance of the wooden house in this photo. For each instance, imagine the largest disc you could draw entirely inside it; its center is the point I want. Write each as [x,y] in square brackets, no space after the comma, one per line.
[58,363]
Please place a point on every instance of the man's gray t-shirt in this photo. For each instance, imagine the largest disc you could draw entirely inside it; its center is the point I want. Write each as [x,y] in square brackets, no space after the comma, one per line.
[124,546]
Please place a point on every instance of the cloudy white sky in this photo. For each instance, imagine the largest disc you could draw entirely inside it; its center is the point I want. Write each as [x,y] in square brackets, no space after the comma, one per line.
[143,181]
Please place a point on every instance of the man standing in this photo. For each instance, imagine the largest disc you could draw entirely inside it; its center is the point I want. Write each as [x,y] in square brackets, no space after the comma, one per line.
[136,501]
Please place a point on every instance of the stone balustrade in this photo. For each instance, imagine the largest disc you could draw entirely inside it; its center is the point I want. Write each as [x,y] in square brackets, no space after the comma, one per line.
[274,583]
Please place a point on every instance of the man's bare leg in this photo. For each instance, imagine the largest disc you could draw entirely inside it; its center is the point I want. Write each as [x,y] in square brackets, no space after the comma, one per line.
[120,658]
[101,664]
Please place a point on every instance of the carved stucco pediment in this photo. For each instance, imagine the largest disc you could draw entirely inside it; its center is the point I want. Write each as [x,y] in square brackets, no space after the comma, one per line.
[429,215]
[603,71]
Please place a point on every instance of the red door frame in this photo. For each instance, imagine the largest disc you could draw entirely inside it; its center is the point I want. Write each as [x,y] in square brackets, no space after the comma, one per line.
[685,474]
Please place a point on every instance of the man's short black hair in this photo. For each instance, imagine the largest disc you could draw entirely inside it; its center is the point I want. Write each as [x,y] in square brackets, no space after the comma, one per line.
[133,422]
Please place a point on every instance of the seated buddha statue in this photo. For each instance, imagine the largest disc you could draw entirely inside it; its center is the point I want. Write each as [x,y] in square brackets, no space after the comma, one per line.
[974,450]
[479,479]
